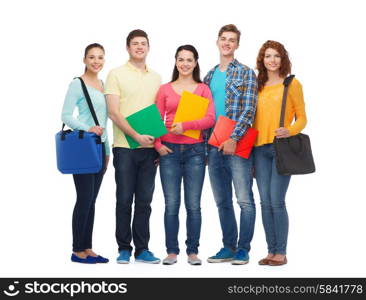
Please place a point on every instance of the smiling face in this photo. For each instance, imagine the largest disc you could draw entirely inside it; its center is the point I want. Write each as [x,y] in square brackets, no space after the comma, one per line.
[272,60]
[138,48]
[94,60]
[185,62]
[227,43]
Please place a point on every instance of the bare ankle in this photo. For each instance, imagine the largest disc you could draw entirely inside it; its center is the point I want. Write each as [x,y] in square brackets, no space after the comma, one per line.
[279,257]
[172,255]
[80,254]
[90,252]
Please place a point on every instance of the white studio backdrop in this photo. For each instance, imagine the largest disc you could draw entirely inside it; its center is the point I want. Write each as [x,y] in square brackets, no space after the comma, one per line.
[42,44]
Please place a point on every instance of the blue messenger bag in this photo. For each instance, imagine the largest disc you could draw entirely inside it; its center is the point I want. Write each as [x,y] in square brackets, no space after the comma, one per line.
[79,151]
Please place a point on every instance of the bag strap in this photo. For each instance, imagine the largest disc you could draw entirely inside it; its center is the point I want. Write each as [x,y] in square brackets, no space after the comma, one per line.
[90,104]
[286,83]
[91,107]
[88,100]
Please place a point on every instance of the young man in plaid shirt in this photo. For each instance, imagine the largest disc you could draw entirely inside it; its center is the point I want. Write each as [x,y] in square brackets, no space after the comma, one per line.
[234,89]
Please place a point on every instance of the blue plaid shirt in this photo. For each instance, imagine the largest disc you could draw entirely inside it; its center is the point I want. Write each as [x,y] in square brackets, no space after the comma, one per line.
[241,96]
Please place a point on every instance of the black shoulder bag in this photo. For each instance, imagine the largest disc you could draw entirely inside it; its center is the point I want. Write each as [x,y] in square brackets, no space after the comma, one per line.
[293,154]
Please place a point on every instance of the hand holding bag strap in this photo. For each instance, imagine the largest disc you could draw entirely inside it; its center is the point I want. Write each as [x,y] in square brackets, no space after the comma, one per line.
[286,83]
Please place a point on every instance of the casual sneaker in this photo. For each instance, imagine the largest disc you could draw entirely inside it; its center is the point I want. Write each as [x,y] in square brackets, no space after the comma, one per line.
[124,257]
[148,257]
[241,257]
[169,261]
[194,261]
[224,255]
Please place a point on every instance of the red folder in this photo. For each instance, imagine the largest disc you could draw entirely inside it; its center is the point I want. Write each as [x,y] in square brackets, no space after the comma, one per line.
[222,132]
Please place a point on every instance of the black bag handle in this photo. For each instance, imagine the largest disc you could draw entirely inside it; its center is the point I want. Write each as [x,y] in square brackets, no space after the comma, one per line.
[286,83]
[88,100]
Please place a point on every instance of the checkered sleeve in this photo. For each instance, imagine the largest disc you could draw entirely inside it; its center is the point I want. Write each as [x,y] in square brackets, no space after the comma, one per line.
[250,97]
[208,77]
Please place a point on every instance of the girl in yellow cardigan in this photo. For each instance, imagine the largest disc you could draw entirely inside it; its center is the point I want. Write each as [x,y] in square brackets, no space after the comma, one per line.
[273,66]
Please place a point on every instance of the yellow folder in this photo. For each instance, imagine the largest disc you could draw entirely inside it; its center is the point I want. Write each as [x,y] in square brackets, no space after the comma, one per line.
[191,107]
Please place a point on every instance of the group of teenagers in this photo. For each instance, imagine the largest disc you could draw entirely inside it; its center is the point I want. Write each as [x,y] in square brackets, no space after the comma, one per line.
[234,91]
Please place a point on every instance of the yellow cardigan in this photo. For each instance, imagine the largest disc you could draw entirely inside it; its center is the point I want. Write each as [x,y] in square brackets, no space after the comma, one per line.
[267,118]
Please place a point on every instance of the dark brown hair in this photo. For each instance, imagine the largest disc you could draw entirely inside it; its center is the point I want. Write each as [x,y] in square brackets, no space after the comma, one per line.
[230,28]
[196,71]
[285,68]
[91,46]
[136,33]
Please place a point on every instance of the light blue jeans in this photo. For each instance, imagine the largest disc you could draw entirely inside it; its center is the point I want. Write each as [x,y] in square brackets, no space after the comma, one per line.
[187,163]
[272,190]
[225,170]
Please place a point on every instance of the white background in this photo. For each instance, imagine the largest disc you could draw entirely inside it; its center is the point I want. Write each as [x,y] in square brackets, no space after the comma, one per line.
[42,44]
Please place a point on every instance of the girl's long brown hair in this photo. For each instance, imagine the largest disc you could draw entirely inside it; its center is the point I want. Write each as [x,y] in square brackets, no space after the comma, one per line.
[285,68]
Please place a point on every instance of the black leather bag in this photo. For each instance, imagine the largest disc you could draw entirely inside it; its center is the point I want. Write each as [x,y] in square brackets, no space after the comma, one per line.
[293,154]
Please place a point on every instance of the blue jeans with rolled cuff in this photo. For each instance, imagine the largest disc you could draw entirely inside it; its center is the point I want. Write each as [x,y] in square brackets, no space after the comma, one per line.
[187,163]
[225,170]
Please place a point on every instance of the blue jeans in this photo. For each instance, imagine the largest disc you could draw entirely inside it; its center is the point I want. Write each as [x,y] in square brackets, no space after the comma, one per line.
[135,172]
[272,190]
[187,162]
[225,170]
[87,187]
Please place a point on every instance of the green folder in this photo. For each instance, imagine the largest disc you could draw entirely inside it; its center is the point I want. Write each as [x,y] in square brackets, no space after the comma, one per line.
[146,121]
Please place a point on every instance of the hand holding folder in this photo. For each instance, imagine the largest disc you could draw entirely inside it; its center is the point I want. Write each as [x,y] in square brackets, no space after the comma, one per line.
[222,132]
[146,121]
[191,107]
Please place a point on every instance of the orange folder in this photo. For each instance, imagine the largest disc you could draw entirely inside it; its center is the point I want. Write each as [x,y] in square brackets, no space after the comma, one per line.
[191,107]
[222,131]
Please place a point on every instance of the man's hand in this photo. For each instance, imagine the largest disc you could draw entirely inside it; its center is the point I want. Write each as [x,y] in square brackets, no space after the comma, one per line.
[228,147]
[144,140]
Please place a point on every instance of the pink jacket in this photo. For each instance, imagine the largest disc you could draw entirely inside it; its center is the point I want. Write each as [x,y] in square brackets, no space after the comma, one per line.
[167,101]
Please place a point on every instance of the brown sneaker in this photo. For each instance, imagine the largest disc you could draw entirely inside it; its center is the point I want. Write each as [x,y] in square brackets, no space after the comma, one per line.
[275,263]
